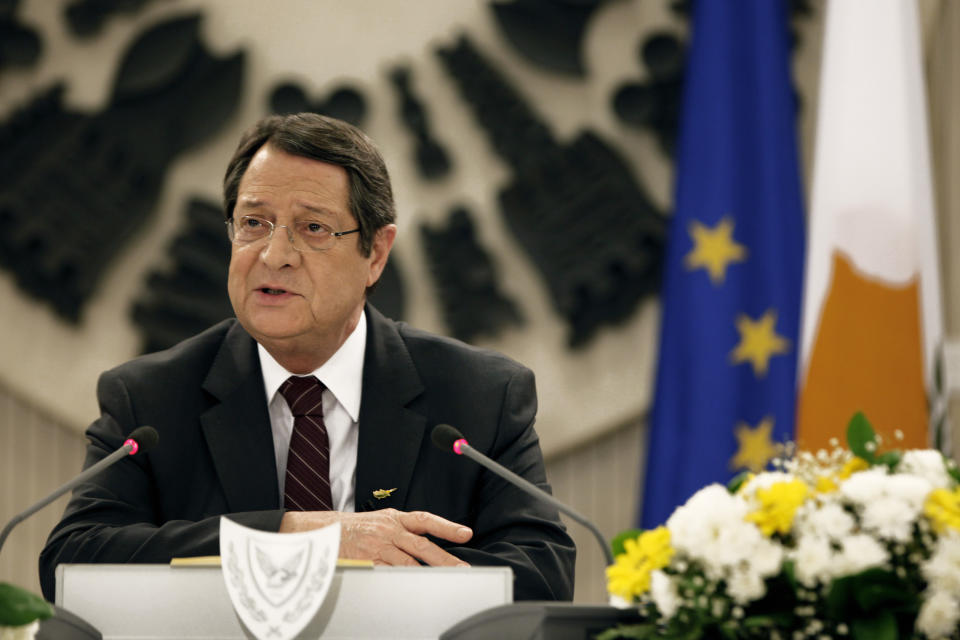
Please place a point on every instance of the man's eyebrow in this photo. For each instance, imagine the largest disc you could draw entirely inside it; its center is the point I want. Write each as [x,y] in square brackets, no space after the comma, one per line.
[318,209]
[250,203]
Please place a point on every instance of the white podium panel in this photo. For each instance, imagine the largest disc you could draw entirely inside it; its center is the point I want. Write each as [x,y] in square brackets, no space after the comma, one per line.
[159,601]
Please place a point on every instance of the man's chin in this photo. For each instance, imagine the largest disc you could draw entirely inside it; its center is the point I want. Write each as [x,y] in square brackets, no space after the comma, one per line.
[271,329]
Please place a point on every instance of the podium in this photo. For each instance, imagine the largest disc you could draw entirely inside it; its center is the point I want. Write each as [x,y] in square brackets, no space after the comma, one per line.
[159,601]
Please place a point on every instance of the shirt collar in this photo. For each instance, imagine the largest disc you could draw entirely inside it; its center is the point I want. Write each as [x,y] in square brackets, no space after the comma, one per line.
[342,374]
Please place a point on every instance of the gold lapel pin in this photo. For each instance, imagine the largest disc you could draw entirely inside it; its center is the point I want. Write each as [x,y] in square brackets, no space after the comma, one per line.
[380,494]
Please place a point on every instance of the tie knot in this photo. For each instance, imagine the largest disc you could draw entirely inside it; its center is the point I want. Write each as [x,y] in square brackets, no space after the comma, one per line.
[304,394]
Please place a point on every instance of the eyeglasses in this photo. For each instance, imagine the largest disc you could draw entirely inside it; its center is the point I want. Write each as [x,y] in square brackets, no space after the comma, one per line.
[304,235]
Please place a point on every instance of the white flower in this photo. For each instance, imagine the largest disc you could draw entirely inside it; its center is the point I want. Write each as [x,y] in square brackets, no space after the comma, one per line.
[939,615]
[711,528]
[620,602]
[890,504]
[812,559]
[23,632]
[863,487]
[867,486]
[745,586]
[928,464]
[766,558]
[664,593]
[858,553]
[830,521]
[942,570]
[890,518]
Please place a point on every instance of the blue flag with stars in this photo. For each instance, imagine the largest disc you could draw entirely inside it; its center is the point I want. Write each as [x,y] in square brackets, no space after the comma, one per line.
[725,389]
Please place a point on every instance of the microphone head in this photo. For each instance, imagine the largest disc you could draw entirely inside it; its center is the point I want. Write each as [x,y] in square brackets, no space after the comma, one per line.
[444,436]
[145,438]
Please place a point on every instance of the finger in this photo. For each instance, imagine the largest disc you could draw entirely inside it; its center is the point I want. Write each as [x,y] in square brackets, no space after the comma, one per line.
[426,551]
[394,557]
[423,522]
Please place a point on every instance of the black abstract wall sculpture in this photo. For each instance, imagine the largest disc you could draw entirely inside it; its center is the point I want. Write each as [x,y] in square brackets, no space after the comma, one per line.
[77,186]
[655,102]
[191,295]
[87,17]
[20,44]
[466,280]
[548,33]
[432,160]
[576,208]
[345,103]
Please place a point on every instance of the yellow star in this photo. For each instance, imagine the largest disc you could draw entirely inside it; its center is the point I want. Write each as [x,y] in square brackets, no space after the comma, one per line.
[754,446]
[714,249]
[759,342]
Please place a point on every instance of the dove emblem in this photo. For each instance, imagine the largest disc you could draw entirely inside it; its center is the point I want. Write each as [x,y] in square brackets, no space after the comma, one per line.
[278,572]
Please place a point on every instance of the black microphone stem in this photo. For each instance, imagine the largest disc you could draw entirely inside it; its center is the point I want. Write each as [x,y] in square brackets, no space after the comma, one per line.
[537,492]
[83,477]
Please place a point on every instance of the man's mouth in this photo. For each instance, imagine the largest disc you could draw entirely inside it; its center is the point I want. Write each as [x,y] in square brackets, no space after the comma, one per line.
[273,292]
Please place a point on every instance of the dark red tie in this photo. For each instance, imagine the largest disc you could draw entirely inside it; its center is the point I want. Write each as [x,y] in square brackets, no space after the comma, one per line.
[307,484]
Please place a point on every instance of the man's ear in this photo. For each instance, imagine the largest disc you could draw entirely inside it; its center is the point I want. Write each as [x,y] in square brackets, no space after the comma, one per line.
[380,251]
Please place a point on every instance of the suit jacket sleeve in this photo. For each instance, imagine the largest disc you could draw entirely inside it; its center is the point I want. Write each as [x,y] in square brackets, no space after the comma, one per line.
[511,527]
[119,515]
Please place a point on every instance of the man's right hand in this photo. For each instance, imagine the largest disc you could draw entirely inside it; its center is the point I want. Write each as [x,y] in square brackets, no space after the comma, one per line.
[387,536]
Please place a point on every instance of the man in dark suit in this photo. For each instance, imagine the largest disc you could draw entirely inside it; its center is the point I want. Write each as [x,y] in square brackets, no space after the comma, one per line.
[311,217]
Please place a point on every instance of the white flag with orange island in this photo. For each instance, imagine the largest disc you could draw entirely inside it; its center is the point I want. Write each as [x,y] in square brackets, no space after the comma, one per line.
[872,326]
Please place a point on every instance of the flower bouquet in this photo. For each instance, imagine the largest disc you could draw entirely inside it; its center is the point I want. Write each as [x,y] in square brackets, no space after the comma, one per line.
[844,544]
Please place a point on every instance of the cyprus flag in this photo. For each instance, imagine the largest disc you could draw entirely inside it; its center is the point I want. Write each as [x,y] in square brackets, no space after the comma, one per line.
[871,326]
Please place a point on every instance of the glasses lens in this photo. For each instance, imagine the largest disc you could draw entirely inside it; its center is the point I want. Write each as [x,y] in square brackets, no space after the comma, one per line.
[314,235]
[250,229]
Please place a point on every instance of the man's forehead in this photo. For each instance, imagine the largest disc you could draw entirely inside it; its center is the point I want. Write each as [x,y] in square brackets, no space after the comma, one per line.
[276,179]
[250,204]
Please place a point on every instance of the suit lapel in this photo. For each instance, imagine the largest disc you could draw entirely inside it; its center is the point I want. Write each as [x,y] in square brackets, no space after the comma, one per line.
[237,429]
[390,433]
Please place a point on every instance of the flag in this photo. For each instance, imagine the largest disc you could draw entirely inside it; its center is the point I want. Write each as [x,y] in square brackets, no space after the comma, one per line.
[871,318]
[726,376]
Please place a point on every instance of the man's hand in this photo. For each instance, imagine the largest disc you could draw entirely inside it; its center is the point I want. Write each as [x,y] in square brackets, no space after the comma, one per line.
[387,536]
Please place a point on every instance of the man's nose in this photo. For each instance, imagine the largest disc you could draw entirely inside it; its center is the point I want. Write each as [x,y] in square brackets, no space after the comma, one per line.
[279,250]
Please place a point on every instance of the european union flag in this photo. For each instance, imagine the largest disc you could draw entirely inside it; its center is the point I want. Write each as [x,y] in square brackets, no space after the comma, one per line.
[731,296]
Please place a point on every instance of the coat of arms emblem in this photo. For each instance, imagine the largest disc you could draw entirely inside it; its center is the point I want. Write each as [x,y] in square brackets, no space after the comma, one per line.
[277,582]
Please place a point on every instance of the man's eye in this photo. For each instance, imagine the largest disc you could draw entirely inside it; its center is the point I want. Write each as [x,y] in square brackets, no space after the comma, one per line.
[251,223]
[315,228]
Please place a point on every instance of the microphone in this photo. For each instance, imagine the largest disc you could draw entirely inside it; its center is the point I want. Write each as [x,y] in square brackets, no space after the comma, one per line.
[449,438]
[141,439]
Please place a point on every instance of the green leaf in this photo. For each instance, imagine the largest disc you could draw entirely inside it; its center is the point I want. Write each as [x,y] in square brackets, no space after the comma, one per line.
[839,597]
[19,607]
[859,434]
[877,589]
[633,631]
[890,458]
[737,481]
[617,543]
[790,573]
[951,468]
[879,626]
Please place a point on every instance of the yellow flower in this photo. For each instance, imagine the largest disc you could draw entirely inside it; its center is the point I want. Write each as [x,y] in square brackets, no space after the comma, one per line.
[778,504]
[852,466]
[826,484]
[629,575]
[943,509]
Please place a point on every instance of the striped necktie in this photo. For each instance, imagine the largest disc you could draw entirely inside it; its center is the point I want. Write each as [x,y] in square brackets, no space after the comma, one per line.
[307,484]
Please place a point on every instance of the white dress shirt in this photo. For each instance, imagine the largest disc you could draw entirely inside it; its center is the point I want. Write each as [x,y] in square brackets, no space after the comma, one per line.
[342,375]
